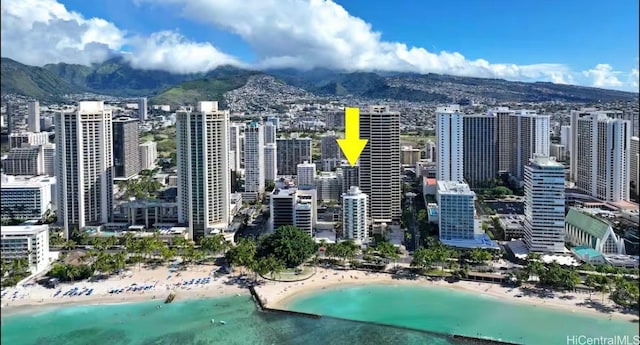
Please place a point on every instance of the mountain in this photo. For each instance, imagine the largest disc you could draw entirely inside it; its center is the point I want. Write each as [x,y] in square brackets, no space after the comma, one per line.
[32,81]
[212,87]
[116,77]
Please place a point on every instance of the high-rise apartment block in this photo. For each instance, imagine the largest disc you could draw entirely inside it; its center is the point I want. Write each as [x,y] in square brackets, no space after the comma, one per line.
[380,168]
[269,133]
[27,138]
[142,109]
[126,147]
[544,205]
[602,156]
[25,160]
[355,225]
[479,141]
[203,169]
[33,116]
[148,155]
[49,156]
[253,161]
[270,162]
[450,150]
[234,146]
[330,153]
[84,166]
[306,175]
[349,176]
[634,169]
[293,206]
[291,152]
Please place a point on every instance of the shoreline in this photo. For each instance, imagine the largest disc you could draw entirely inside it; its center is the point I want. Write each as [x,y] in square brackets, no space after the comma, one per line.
[279,295]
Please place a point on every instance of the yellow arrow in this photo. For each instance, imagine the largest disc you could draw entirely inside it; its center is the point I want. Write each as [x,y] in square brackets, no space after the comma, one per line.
[352,145]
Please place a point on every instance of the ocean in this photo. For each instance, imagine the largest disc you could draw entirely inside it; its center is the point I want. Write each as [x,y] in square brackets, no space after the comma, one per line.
[188,322]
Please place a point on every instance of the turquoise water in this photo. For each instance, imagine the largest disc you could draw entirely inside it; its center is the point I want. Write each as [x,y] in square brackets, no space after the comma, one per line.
[455,312]
[189,323]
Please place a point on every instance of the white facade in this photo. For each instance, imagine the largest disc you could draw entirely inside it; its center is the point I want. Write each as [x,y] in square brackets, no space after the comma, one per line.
[234,145]
[254,159]
[29,242]
[28,138]
[33,116]
[27,198]
[148,155]
[203,169]
[293,206]
[329,186]
[565,136]
[355,224]
[449,134]
[456,212]
[84,166]
[544,203]
[306,174]
[602,154]
[270,162]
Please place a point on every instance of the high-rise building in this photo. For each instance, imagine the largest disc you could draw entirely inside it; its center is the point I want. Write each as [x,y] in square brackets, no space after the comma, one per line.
[270,162]
[293,206]
[33,116]
[11,114]
[503,138]
[26,198]
[573,143]
[291,152]
[203,169]
[456,211]
[602,156]
[380,168]
[148,155]
[409,155]
[355,225]
[529,137]
[234,146]
[253,161]
[126,147]
[479,149]
[634,169]
[49,156]
[328,186]
[335,119]
[306,174]
[558,151]
[330,152]
[430,151]
[544,203]
[84,166]
[142,109]
[450,150]
[349,176]
[565,136]
[269,133]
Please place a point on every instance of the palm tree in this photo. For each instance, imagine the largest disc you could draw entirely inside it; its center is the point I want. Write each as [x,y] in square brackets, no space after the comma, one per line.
[69,245]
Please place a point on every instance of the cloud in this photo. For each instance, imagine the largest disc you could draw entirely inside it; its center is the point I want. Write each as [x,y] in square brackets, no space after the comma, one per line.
[170,51]
[37,32]
[634,79]
[603,75]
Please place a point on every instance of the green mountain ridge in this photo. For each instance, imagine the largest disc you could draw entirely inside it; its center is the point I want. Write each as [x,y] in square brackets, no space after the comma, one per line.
[117,78]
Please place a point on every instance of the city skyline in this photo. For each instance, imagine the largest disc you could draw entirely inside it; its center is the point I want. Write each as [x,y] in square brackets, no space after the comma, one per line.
[214,33]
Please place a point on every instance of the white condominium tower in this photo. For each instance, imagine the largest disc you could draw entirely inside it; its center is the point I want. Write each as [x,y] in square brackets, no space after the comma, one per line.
[253,161]
[355,225]
[544,201]
[380,168]
[449,134]
[203,169]
[270,162]
[33,118]
[84,166]
[602,156]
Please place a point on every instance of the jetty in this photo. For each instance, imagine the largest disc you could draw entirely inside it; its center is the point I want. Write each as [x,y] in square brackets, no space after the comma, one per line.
[170,298]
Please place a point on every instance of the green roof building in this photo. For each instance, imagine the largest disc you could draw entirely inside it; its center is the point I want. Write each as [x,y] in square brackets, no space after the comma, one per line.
[587,230]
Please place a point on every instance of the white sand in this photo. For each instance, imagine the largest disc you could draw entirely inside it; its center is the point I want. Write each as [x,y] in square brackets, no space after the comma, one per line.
[278,294]
[37,295]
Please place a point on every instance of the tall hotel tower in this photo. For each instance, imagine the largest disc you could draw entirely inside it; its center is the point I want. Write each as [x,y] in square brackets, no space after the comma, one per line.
[450,151]
[544,205]
[479,149]
[203,169]
[253,161]
[84,166]
[602,153]
[380,168]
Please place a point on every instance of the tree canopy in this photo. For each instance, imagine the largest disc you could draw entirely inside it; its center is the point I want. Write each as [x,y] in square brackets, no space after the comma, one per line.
[289,245]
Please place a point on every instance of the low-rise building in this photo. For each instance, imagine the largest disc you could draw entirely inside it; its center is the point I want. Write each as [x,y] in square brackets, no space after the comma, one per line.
[585,229]
[26,197]
[29,242]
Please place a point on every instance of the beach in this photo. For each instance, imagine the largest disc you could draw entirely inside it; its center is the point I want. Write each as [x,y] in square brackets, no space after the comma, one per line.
[151,284]
[278,295]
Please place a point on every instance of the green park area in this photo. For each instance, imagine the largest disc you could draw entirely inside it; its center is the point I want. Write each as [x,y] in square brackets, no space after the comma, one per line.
[165,139]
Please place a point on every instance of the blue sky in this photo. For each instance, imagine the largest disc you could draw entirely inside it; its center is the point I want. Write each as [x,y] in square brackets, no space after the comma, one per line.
[586,42]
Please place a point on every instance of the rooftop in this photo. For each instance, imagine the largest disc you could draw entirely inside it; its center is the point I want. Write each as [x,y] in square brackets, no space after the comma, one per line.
[590,223]
[454,187]
[23,229]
